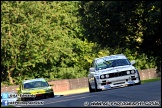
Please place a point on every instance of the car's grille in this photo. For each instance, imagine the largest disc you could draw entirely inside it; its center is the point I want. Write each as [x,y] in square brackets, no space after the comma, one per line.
[115,74]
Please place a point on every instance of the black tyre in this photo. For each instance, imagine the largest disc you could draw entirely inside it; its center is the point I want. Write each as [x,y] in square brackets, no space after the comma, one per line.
[139,79]
[138,83]
[96,90]
[52,95]
[90,89]
[27,99]
[23,99]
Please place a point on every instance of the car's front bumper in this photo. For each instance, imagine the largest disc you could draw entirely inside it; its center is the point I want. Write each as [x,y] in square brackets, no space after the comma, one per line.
[117,82]
[45,95]
[39,96]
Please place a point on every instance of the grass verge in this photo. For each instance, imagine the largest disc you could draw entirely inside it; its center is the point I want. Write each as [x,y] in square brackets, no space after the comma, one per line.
[151,80]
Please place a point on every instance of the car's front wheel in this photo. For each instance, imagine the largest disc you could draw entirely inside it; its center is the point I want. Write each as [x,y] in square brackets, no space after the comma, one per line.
[96,90]
[52,95]
[27,99]
[138,83]
[90,89]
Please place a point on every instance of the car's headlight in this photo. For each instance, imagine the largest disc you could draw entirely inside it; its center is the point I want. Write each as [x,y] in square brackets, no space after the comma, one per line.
[102,76]
[49,90]
[107,76]
[128,72]
[132,71]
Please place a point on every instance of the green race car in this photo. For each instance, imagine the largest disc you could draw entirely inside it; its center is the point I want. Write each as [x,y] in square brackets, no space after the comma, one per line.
[35,89]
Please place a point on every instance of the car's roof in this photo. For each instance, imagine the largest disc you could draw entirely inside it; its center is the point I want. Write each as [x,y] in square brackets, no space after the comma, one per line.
[32,80]
[112,57]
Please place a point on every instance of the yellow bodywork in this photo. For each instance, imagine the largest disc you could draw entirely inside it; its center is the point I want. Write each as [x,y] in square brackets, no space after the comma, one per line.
[38,91]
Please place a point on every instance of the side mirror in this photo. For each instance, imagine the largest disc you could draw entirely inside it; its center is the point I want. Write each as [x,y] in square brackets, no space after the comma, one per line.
[51,84]
[133,62]
[91,69]
[17,89]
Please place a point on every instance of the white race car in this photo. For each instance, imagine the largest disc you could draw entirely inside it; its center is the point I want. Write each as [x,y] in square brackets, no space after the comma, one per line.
[112,71]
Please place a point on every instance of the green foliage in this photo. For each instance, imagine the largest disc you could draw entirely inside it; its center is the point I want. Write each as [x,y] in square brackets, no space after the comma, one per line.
[142,60]
[39,39]
[59,39]
[122,25]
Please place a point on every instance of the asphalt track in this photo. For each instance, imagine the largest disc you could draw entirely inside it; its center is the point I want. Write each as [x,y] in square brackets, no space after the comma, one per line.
[148,94]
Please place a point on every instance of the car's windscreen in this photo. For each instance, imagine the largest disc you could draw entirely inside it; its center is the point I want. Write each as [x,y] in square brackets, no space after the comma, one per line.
[35,84]
[103,64]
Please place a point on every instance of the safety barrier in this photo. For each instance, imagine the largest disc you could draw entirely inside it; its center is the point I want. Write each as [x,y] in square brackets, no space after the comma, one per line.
[69,84]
